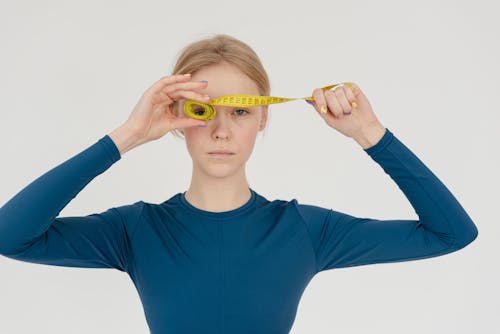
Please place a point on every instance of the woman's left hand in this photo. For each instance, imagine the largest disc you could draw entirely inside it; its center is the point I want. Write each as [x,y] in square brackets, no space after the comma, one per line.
[340,114]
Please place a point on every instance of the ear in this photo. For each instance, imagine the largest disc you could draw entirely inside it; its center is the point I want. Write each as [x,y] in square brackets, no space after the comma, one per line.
[263,119]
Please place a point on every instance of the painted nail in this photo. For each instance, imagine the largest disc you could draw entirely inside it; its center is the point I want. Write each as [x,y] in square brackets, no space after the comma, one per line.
[202,126]
[323,109]
[187,74]
[203,81]
[354,104]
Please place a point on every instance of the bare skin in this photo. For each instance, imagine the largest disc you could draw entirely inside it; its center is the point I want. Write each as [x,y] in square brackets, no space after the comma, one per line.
[153,117]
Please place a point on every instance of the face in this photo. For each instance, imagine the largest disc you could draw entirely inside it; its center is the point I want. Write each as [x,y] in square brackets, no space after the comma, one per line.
[233,128]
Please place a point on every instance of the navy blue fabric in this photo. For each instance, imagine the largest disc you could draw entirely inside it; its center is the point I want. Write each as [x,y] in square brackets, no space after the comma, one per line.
[239,271]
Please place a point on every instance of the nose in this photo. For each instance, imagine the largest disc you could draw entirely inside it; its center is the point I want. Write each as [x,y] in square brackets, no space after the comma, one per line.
[221,124]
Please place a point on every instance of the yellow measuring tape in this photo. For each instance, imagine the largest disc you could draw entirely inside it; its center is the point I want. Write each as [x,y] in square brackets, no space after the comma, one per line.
[191,110]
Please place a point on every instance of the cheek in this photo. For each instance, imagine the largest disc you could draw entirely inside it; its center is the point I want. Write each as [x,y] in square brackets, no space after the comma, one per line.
[248,125]
[246,130]
[194,138]
[248,138]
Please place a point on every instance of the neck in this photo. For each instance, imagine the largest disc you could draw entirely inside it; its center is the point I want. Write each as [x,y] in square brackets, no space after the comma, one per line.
[218,194]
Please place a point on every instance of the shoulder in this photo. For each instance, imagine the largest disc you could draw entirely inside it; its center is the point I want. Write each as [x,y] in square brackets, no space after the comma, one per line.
[130,213]
[131,210]
[305,211]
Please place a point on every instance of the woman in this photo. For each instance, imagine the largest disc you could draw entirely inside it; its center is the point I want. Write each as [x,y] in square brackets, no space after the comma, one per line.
[219,257]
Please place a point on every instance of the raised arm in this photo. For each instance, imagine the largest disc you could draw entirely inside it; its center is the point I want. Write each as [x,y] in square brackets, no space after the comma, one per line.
[343,240]
[31,231]
[29,227]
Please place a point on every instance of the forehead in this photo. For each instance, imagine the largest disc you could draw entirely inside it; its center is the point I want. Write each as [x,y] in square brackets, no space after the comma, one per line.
[225,79]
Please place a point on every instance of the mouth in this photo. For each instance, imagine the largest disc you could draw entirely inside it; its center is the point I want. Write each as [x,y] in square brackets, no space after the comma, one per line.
[221,154]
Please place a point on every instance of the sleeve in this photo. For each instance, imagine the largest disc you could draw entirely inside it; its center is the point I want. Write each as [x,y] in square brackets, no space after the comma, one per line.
[342,240]
[31,231]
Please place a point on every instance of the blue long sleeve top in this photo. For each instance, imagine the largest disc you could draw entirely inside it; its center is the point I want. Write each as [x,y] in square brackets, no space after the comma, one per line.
[239,271]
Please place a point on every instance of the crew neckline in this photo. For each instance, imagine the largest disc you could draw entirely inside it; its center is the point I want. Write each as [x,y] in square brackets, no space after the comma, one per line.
[219,215]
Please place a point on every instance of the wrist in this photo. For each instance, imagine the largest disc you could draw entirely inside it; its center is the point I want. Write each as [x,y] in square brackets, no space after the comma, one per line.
[124,139]
[370,135]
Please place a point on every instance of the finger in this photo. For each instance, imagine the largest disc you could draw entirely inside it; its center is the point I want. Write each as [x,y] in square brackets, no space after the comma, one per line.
[356,91]
[166,80]
[161,106]
[350,96]
[189,85]
[342,98]
[327,117]
[319,101]
[172,90]
[168,92]
[318,95]
[183,94]
[333,103]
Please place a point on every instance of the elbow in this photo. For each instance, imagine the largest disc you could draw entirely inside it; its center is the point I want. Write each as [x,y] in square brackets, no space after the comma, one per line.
[9,249]
[466,238]
[14,245]
[6,246]
[12,236]
[9,246]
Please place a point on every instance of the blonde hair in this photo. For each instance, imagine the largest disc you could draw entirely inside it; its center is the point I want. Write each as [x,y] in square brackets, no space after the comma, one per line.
[217,49]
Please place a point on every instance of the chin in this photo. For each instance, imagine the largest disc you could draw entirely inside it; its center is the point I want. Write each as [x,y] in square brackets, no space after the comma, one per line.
[220,170]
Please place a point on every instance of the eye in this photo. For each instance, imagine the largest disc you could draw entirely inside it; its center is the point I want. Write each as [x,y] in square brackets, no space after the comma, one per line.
[242,114]
[196,110]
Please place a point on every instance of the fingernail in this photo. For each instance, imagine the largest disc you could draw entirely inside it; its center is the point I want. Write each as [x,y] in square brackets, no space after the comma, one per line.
[187,74]
[203,81]
[323,109]
[202,126]
[354,104]
[310,102]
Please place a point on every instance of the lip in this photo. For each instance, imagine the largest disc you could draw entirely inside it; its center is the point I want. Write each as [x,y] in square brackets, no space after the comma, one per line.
[221,152]
[221,155]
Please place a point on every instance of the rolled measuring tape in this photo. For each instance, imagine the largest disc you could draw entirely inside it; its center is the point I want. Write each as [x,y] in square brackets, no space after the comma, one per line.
[191,106]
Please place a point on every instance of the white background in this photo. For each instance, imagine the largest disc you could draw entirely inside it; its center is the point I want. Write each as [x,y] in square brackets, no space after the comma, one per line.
[73,71]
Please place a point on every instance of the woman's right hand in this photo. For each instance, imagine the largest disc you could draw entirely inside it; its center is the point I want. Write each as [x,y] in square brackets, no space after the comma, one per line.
[153,116]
